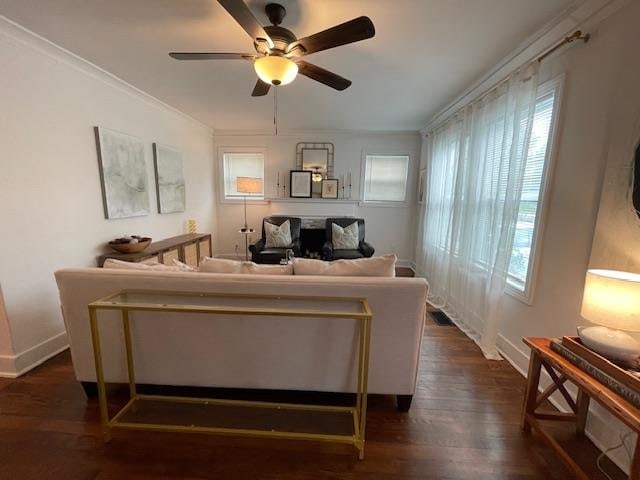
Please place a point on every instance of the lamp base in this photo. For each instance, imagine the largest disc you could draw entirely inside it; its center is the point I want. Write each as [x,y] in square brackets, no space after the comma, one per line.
[612,344]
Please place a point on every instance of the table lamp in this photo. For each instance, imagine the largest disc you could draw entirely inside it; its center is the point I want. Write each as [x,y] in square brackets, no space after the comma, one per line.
[612,300]
[249,185]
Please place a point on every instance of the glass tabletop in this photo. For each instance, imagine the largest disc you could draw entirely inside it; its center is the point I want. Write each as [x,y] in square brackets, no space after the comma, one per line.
[237,303]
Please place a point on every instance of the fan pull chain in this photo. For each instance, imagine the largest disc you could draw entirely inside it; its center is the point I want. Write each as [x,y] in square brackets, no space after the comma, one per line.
[275,109]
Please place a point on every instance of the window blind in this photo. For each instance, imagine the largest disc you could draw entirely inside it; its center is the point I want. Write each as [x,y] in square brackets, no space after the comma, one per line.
[535,169]
[386,178]
[242,165]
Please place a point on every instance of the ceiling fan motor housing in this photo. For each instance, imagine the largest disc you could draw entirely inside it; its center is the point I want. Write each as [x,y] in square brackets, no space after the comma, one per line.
[281,37]
[276,13]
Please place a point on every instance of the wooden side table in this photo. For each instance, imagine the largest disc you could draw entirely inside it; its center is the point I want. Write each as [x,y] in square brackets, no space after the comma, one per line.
[188,248]
[560,370]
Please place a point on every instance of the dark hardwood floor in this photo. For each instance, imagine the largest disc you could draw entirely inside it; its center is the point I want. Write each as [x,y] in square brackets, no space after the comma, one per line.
[464,424]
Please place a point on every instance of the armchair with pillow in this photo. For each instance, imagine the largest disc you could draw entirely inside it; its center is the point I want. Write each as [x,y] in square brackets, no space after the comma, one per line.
[279,234]
[345,239]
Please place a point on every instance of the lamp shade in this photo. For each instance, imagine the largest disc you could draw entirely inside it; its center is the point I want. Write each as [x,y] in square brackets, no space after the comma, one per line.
[248,185]
[612,298]
[275,70]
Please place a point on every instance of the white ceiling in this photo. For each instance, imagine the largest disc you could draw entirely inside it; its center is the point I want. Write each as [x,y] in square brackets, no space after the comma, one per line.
[425,52]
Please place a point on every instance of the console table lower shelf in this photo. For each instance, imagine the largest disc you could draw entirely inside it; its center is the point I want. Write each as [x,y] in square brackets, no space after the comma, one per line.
[326,423]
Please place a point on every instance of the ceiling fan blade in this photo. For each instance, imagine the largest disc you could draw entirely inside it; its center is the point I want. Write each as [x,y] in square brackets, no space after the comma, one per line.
[323,76]
[211,56]
[241,14]
[261,89]
[354,30]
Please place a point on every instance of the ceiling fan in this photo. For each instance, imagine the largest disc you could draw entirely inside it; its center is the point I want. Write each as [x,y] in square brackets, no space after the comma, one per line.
[278,57]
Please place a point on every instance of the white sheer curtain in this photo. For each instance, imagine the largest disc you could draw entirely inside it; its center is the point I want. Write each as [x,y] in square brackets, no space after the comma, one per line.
[475,166]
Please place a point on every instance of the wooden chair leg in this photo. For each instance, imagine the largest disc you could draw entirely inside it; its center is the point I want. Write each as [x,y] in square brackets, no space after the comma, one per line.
[531,391]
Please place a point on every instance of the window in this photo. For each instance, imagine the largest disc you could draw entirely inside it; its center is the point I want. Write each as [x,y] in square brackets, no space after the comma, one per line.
[476,192]
[242,164]
[385,178]
[533,186]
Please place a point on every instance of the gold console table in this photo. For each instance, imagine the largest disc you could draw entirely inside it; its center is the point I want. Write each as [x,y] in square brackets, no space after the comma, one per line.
[340,424]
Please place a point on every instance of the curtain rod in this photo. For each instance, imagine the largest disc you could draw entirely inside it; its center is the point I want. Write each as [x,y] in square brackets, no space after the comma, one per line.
[577,35]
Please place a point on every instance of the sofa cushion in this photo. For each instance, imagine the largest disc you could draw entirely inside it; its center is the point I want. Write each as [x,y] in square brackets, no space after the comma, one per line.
[147,265]
[277,236]
[345,238]
[256,269]
[184,267]
[384,266]
[220,265]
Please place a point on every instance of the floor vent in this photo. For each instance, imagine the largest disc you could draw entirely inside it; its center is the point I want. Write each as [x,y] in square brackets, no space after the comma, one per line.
[441,319]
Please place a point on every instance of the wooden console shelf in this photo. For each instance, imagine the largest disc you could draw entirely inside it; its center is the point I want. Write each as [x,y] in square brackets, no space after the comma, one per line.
[561,370]
[189,248]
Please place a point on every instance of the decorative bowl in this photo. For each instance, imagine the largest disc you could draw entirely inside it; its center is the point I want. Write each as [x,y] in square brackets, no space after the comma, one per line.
[139,246]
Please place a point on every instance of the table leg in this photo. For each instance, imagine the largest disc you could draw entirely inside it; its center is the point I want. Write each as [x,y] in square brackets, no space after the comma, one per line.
[582,410]
[634,474]
[531,390]
[102,391]
[127,342]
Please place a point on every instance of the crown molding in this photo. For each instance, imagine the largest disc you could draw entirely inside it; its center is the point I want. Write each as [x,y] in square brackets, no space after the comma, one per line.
[16,33]
[584,14]
[313,132]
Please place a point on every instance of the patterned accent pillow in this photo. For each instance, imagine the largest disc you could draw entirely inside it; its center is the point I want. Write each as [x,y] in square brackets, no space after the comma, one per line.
[277,236]
[345,238]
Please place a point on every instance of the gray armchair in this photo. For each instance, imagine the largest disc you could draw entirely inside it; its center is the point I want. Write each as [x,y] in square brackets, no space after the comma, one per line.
[364,250]
[261,254]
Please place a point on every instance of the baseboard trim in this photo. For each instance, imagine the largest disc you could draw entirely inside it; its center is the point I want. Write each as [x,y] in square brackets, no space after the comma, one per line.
[13,366]
[601,430]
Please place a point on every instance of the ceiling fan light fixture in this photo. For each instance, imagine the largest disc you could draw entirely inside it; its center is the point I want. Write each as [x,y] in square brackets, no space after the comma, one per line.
[276,70]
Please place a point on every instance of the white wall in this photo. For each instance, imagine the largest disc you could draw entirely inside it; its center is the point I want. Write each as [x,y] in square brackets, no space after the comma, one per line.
[51,212]
[388,229]
[597,74]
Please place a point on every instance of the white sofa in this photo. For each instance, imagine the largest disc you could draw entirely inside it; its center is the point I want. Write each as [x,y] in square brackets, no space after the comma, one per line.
[249,352]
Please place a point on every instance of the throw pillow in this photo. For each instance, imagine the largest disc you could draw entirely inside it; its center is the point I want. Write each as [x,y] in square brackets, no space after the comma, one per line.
[220,265]
[256,269]
[345,238]
[277,236]
[384,266]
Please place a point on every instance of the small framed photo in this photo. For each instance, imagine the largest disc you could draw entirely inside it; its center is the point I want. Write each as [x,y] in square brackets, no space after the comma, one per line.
[330,188]
[300,183]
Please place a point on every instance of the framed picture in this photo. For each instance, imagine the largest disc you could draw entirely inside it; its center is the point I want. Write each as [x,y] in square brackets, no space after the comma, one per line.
[300,184]
[421,185]
[170,188]
[123,174]
[330,188]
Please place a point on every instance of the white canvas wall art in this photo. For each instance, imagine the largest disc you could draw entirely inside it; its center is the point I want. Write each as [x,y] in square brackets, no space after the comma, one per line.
[123,174]
[170,187]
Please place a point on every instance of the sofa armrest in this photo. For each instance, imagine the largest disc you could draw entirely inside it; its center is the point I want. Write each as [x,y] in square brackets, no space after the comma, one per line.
[296,246]
[366,249]
[257,247]
[327,251]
